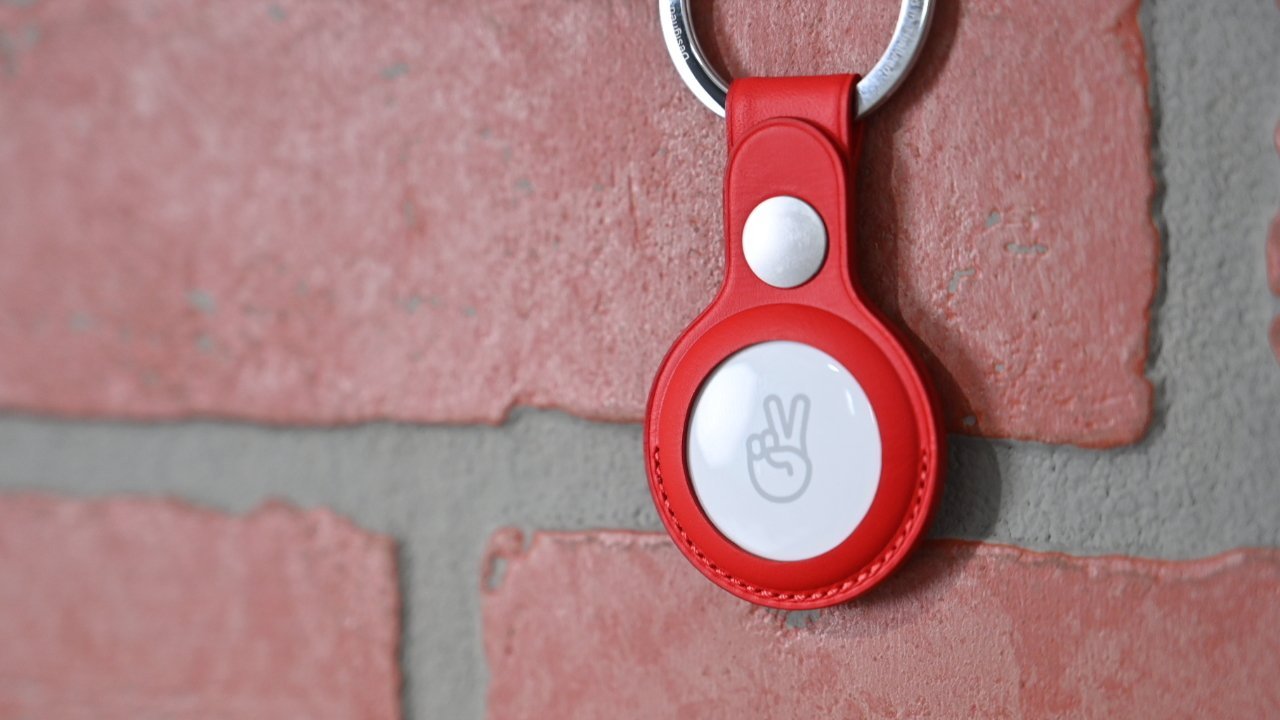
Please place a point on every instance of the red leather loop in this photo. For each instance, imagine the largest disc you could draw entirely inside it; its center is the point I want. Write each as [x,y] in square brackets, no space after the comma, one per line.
[796,136]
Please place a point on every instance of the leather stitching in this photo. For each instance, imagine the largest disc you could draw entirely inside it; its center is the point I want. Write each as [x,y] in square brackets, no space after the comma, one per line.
[867,572]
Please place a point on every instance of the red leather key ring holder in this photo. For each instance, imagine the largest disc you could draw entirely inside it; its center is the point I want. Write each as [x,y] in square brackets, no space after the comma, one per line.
[792,440]
[795,137]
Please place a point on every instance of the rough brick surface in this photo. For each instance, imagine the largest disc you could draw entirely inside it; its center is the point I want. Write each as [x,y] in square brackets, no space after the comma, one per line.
[328,211]
[616,625]
[151,609]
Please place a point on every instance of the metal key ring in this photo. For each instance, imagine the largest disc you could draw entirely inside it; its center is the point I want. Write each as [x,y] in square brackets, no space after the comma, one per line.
[873,89]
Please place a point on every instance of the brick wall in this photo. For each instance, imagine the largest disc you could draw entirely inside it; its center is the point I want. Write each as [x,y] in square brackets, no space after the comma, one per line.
[325,327]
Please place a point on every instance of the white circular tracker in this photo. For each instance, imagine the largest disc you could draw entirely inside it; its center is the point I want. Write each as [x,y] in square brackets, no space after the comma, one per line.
[785,241]
[784,451]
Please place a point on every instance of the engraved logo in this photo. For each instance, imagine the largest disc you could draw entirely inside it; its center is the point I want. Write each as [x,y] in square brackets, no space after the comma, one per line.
[777,457]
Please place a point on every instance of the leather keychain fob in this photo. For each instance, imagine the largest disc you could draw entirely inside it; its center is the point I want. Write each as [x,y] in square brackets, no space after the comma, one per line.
[792,440]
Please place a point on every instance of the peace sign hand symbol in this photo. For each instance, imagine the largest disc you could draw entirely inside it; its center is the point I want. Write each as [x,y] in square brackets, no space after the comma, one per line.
[777,457]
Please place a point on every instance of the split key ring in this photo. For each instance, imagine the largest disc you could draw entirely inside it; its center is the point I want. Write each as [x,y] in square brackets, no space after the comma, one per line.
[873,89]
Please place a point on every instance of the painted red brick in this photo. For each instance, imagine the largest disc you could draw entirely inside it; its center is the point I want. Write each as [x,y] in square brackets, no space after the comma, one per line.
[617,625]
[152,609]
[332,211]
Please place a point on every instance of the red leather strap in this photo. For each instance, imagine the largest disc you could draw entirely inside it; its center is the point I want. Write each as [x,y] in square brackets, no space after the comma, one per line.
[825,101]
[769,155]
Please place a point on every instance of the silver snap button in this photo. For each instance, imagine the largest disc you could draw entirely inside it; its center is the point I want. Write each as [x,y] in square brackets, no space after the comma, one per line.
[785,241]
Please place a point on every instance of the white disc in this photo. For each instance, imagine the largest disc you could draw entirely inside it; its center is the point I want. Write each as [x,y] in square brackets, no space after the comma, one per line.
[784,451]
[785,241]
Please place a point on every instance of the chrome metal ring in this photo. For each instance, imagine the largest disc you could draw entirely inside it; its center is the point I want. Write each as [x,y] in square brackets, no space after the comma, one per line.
[873,89]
